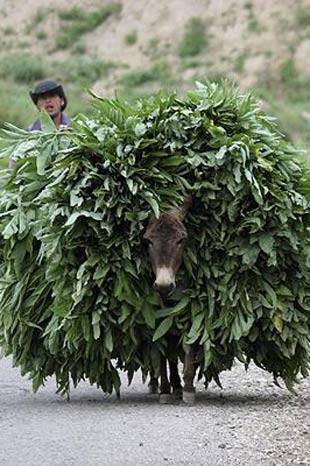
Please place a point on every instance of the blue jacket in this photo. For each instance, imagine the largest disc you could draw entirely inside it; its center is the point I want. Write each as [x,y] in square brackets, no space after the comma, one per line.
[36,125]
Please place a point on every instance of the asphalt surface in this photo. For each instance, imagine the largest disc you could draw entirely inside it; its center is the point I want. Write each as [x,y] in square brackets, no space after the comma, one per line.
[249,422]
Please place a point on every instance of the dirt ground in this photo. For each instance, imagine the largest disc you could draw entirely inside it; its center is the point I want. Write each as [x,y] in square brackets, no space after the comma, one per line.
[249,422]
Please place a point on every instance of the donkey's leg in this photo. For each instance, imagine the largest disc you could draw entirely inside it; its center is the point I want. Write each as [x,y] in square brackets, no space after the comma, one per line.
[164,396]
[175,380]
[153,384]
[189,375]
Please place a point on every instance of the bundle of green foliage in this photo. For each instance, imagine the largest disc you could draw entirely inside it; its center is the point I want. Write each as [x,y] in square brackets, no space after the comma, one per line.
[76,297]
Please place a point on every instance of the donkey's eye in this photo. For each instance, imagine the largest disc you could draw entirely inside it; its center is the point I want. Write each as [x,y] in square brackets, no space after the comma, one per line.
[180,241]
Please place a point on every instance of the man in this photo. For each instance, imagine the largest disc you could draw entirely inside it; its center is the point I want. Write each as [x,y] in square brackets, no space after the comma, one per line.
[49,96]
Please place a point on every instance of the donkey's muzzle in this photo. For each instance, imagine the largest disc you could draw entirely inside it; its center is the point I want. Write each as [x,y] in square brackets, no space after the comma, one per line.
[164,290]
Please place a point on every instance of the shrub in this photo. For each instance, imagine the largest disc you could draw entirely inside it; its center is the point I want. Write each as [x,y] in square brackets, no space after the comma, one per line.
[8,31]
[131,38]
[135,78]
[253,25]
[39,16]
[41,35]
[83,22]
[161,70]
[194,39]
[73,14]
[303,16]
[288,72]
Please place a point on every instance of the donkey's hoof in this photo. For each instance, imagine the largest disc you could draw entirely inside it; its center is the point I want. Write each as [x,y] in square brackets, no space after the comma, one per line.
[165,398]
[177,393]
[188,398]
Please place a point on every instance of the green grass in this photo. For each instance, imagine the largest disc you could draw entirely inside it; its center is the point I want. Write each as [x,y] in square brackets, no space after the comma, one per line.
[131,38]
[240,62]
[79,22]
[24,44]
[288,72]
[38,18]
[190,63]
[8,31]
[83,70]
[160,72]
[194,40]
[16,106]
[22,68]
[79,48]
[152,48]
[291,114]
[288,96]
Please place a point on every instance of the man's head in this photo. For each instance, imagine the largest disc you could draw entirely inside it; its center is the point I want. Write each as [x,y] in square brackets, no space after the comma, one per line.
[50,96]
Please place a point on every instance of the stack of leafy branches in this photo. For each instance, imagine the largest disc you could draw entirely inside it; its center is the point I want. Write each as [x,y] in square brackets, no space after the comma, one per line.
[76,289]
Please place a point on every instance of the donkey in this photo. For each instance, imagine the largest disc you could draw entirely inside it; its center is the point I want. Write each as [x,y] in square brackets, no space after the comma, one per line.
[165,237]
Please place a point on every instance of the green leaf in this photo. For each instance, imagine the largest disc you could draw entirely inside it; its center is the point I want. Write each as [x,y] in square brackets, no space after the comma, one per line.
[163,328]
[195,330]
[177,309]
[266,242]
[101,271]
[140,129]
[278,322]
[44,158]
[11,228]
[153,203]
[47,123]
[73,217]
[96,331]
[149,315]
[108,342]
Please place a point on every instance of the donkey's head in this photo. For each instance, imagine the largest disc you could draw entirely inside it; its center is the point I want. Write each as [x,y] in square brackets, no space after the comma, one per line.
[165,236]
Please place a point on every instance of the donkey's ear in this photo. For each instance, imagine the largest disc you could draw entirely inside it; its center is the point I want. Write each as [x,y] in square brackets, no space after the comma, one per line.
[181,211]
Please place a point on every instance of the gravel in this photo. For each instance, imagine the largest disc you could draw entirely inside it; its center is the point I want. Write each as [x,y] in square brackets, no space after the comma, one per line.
[249,422]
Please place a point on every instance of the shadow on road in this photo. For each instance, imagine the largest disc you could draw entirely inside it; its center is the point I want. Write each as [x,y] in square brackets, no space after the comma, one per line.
[95,397]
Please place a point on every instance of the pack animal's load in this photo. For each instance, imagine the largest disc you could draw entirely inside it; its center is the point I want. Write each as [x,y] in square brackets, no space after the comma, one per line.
[77,298]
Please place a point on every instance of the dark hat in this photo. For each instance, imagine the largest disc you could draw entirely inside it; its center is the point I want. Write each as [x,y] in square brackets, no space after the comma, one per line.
[45,87]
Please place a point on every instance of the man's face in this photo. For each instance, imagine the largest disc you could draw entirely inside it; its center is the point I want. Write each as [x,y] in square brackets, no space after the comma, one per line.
[51,103]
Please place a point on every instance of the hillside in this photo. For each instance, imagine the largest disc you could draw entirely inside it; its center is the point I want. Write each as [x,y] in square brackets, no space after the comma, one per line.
[138,47]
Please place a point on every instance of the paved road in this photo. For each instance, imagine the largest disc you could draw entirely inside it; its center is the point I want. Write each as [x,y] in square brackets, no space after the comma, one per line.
[250,422]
